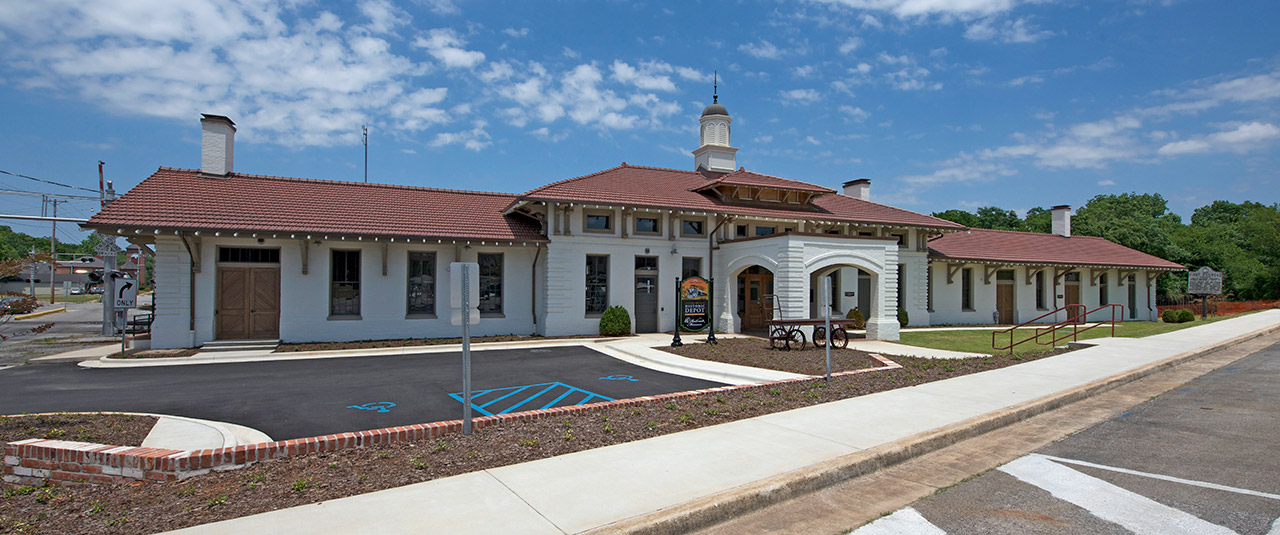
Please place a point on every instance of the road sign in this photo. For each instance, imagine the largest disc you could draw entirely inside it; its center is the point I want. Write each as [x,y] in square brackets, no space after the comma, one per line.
[107,247]
[125,294]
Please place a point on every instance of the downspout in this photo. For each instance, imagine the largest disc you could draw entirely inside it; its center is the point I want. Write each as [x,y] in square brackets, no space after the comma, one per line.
[533,284]
[191,289]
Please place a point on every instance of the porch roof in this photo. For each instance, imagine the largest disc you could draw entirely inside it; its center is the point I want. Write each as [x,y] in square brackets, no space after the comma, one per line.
[184,200]
[1005,246]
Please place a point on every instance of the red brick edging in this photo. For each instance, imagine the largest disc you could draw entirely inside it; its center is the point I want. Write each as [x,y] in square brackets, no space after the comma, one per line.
[37,461]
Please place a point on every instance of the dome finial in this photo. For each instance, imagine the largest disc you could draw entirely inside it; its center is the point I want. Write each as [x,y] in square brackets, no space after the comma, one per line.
[715,87]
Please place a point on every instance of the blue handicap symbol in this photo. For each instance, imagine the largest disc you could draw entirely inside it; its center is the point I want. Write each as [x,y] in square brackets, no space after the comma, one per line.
[380,406]
[618,378]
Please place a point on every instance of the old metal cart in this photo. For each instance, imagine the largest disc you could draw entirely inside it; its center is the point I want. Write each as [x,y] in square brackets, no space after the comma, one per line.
[786,333]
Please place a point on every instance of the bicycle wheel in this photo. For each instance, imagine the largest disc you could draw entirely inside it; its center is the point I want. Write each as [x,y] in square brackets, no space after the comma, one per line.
[839,338]
[820,336]
[795,340]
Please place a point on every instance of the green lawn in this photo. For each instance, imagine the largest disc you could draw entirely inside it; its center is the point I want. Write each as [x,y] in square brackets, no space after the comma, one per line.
[980,341]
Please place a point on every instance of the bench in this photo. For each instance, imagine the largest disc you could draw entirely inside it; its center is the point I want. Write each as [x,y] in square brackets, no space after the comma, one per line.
[139,324]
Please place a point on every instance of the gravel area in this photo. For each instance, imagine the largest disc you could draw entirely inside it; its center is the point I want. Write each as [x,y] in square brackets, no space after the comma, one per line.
[148,507]
[114,429]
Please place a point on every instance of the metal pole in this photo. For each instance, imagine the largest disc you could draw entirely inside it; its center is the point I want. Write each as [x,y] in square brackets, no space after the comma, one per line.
[711,310]
[675,339]
[53,251]
[32,280]
[826,314]
[466,350]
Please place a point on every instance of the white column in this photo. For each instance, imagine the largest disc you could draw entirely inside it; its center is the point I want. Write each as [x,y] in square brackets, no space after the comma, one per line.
[172,326]
[883,323]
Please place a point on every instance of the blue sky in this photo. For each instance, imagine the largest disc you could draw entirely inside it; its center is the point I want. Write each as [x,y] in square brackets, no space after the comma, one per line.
[942,103]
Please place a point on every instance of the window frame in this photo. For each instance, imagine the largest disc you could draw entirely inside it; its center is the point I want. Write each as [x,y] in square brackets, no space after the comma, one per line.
[609,221]
[1040,287]
[657,225]
[755,230]
[966,289]
[435,284]
[684,259]
[702,225]
[502,280]
[601,262]
[333,282]
[1103,293]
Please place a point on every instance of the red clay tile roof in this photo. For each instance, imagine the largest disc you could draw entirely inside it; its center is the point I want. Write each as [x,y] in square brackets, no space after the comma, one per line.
[653,187]
[1034,248]
[742,177]
[181,199]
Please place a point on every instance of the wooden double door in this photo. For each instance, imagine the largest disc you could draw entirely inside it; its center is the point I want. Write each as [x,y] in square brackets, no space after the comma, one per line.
[248,303]
[756,286]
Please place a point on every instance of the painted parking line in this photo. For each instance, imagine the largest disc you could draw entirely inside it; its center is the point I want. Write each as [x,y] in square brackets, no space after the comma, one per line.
[1163,477]
[2,368]
[906,521]
[1131,511]
[529,397]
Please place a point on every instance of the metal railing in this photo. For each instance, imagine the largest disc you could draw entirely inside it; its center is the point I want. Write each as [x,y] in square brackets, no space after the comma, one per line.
[1076,317]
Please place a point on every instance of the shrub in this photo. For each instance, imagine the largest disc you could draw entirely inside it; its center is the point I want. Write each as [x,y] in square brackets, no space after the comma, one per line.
[615,322]
[1169,316]
[1178,316]
[903,318]
[856,315]
[1186,315]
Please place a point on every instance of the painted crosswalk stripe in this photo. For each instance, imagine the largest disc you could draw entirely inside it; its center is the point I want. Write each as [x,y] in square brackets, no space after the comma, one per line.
[905,521]
[1134,512]
[1162,477]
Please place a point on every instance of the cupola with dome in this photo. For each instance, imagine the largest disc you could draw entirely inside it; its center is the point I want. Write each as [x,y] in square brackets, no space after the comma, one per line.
[714,153]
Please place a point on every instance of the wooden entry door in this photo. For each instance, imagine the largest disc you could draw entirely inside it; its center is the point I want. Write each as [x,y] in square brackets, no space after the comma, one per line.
[1004,303]
[756,286]
[248,303]
[1072,294]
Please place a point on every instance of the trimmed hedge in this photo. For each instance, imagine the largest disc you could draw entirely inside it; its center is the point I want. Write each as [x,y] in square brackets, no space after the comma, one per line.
[1181,315]
[856,315]
[903,318]
[615,321]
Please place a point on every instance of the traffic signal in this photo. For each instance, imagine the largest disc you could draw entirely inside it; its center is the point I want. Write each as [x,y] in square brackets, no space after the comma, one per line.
[95,277]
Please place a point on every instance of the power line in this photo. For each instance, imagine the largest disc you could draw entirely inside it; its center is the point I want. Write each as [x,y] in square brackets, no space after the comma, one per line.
[47,181]
[7,191]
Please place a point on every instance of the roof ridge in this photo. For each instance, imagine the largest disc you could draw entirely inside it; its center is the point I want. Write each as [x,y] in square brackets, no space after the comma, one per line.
[623,165]
[349,183]
[744,170]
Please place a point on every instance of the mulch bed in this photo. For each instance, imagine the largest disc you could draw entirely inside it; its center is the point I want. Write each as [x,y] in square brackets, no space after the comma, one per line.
[147,507]
[114,429]
[157,354]
[372,344]
[755,352]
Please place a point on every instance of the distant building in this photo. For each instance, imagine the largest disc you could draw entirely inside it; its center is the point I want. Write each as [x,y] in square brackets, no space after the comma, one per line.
[250,256]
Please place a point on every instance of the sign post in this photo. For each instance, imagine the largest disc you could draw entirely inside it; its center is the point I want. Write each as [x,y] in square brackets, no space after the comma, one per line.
[1204,282]
[107,248]
[124,296]
[711,312]
[675,338]
[464,283]
[826,315]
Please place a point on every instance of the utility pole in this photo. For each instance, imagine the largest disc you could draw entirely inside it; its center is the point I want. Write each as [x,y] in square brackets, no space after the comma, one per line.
[364,129]
[53,251]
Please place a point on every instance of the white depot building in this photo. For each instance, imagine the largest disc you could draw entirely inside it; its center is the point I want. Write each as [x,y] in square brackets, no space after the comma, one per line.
[242,256]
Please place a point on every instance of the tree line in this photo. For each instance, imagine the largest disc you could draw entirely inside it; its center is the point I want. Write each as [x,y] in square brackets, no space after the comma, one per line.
[15,245]
[1242,240]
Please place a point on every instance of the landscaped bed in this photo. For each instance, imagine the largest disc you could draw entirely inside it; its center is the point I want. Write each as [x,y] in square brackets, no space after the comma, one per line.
[101,428]
[146,507]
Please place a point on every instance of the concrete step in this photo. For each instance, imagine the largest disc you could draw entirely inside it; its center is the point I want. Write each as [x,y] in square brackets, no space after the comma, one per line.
[239,345]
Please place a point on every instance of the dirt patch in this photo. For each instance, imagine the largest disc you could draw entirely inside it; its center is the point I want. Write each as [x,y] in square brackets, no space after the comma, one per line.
[158,354]
[114,429]
[755,352]
[146,507]
[408,342]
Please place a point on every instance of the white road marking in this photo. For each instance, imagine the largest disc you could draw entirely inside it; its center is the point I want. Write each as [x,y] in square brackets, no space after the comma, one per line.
[1132,511]
[1193,482]
[5,367]
[905,521]
[1275,528]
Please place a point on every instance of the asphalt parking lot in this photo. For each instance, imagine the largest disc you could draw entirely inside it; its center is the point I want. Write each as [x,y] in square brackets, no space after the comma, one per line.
[1199,459]
[308,397]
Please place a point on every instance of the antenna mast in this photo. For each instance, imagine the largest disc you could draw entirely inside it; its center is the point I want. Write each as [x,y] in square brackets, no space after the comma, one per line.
[364,129]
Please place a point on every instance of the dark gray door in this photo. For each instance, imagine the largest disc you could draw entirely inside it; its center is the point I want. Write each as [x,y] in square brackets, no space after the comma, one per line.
[864,295]
[646,303]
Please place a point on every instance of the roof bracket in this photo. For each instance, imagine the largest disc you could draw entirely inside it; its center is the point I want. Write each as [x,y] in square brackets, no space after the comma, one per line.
[193,250]
[1095,276]
[1124,276]
[952,269]
[1060,272]
[988,271]
[1031,273]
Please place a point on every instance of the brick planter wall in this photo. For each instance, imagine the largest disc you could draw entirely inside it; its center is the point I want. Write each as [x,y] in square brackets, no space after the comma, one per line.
[61,462]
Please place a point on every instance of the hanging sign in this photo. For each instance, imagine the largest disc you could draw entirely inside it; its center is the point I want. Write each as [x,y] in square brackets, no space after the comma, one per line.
[694,298]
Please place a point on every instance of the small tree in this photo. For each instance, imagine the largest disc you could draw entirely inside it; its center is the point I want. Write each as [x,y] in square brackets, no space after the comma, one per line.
[17,304]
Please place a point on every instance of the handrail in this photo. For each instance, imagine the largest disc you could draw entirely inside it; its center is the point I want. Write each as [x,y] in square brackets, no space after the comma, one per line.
[1072,320]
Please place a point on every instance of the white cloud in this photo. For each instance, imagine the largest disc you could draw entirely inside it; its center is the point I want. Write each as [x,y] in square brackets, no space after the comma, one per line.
[869,21]
[800,96]
[764,50]
[545,134]
[442,7]
[583,95]
[1106,183]
[909,76]
[570,53]
[474,139]
[1005,31]
[855,113]
[762,139]
[445,45]
[1242,138]
[649,76]
[920,8]
[383,17]
[513,32]
[805,71]
[849,45]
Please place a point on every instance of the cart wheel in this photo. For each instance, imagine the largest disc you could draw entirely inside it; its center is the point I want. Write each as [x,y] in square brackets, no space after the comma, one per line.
[778,338]
[839,338]
[820,336]
[795,340]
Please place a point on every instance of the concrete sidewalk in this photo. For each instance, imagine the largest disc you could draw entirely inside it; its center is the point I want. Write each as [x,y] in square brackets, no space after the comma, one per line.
[694,475]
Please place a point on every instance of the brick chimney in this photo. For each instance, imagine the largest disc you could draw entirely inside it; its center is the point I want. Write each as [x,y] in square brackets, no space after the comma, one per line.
[217,145]
[1061,220]
[860,189]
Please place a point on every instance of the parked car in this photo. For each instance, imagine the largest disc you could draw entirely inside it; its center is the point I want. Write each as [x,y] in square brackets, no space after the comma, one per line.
[95,290]
[77,291]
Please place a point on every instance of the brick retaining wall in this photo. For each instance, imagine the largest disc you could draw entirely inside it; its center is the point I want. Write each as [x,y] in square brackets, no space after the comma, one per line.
[37,461]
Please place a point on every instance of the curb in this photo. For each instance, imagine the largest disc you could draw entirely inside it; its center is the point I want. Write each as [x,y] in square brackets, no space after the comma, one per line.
[41,313]
[710,510]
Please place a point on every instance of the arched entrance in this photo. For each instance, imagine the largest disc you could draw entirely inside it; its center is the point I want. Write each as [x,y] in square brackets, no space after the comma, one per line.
[753,284]
[850,290]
